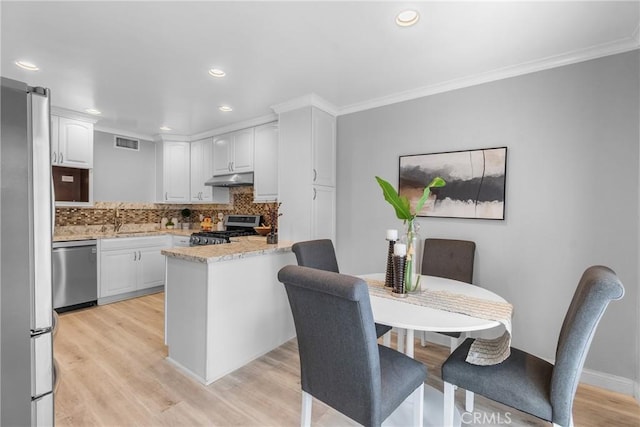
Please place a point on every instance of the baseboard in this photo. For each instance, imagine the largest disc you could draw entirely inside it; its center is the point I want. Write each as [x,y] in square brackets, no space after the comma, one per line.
[610,382]
[129,295]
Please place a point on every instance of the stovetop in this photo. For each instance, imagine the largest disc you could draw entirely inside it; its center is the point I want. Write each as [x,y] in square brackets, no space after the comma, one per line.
[237,226]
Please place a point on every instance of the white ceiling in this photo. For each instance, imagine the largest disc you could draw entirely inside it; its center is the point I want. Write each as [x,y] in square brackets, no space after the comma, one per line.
[144,64]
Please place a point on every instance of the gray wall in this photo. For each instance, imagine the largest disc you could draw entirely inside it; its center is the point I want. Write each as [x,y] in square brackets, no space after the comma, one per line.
[571,202]
[123,175]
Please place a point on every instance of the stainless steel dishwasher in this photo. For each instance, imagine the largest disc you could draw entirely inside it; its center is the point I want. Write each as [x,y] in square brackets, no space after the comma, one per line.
[75,274]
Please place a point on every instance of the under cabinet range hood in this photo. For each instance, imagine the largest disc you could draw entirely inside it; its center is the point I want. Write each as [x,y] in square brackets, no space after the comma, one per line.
[231,180]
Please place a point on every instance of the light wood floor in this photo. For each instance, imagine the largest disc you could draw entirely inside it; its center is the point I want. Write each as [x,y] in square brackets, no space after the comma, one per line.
[114,373]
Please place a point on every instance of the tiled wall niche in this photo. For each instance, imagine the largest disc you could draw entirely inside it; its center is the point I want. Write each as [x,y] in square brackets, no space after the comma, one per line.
[102,213]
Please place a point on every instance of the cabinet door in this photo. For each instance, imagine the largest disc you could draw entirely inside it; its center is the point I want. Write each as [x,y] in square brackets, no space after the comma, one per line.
[323,142]
[176,158]
[323,213]
[118,272]
[265,174]
[151,267]
[243,142]
[75,143]
[222,146]
[201,170]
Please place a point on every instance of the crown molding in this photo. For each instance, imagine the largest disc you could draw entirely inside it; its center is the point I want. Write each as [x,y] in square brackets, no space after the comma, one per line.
[72,114]
[171,138]
[310,100]
[236,126]
[606,49]
[126,133]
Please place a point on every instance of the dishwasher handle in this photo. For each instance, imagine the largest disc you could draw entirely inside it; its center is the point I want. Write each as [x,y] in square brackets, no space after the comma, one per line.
[75,243]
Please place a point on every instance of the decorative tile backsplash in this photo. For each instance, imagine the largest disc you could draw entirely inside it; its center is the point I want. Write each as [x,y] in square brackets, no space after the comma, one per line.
[102,213]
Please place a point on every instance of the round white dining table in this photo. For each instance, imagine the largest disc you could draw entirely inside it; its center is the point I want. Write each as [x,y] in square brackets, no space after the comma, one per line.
[403,315]
[407,318]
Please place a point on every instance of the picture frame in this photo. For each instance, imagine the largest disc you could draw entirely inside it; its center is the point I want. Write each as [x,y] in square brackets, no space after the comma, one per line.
[476,182]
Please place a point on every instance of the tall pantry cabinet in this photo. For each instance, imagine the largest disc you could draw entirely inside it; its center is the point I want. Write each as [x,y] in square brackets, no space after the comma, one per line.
[307,172]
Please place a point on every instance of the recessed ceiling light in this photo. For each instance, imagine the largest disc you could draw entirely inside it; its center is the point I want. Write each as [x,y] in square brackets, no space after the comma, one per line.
[27,66]
[165,128]
[217,72]
[225,108]
[93,111]
[407,18]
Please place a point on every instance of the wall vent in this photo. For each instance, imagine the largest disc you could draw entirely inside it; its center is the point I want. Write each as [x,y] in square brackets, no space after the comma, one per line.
[126,143]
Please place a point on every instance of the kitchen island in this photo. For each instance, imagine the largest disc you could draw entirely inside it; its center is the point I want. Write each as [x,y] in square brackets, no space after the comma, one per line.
[224,305]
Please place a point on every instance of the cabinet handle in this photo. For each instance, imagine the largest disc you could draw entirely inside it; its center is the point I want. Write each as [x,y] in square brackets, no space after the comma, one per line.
[61,159]
[166,195]
[135,256]
[314,194]
[315,174]
[139,256]
[55,157]
[232,166]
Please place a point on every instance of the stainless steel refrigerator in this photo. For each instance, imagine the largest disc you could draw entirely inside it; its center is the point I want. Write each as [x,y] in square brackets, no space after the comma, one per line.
[26,225]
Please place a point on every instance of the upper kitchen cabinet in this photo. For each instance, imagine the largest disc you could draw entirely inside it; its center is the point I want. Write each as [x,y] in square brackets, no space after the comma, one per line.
[201,169]
[265,174]
[233,152]
[307,165]
[323,146]
[172,168]
[71,142]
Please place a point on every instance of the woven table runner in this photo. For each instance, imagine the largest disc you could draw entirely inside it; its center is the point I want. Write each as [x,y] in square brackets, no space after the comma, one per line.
[483,351]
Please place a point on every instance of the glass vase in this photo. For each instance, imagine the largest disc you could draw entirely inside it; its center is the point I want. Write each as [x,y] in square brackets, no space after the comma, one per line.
[411,238]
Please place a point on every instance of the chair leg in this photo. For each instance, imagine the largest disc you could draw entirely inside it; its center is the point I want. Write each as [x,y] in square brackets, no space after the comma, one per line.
[423,339]
[570,423]
[305,414]
[418,406]
[449,404]
[468,401]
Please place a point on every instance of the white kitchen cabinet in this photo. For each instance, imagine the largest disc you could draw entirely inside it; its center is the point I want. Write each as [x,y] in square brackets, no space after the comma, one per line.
[306,148]
[323,212]
[131,266]
[265,174]
[173,172]
[233,152]
[71,143]
[201,170]
[323,146]
[180,241]
[118,272]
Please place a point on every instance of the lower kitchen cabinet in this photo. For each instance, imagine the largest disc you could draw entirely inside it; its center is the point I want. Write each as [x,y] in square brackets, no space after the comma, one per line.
[130,267]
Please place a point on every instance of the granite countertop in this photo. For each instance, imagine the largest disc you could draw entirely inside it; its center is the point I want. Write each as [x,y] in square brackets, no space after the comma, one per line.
[240,247]
[92,235]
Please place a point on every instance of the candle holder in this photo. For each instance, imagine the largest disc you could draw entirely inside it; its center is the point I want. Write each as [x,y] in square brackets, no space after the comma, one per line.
[388,277]
[399,265]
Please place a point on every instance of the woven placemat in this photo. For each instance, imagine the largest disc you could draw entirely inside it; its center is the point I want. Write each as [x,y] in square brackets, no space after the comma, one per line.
[483,351]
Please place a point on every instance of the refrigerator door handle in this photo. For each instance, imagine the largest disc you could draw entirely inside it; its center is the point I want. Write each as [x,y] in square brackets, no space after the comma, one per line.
[40,199]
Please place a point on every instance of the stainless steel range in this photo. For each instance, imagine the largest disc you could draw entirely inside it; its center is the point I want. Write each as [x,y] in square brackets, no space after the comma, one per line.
[236,226]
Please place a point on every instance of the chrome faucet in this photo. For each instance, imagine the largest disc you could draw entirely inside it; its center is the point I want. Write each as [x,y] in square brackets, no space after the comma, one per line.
[117,221]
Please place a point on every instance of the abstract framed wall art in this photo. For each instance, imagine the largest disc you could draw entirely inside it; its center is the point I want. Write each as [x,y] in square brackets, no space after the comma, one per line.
[475,182]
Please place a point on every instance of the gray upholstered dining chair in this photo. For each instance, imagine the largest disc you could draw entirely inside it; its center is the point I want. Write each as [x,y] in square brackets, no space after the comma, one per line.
[352,374]
[451,259]
[321,254]
[528,383]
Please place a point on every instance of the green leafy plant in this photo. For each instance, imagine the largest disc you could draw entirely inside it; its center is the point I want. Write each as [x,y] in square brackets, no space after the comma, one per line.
[401,203]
